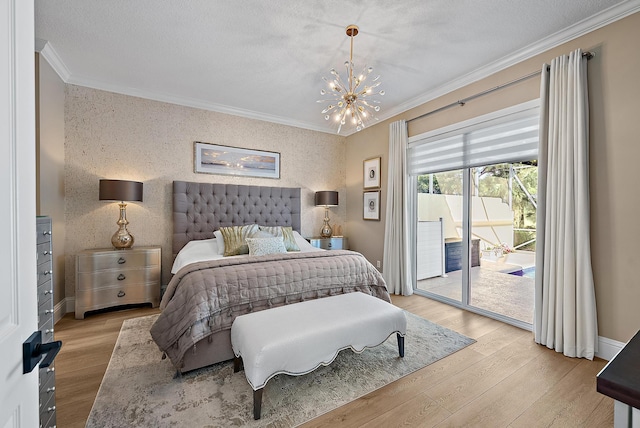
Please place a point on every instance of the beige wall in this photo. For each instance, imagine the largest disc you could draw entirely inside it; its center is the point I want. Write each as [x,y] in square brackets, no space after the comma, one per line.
[116,136]
[50,163]
[614,91]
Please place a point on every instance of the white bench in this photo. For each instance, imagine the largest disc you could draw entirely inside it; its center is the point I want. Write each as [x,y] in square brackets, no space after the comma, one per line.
[296,339]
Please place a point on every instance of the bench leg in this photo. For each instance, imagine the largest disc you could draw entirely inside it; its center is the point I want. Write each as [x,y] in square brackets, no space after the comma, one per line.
[400,344]
[257,403]
[237,364]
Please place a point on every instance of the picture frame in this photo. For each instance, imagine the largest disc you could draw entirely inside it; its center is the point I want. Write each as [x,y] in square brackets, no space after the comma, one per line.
[227,160]
[371,205]
[371,177]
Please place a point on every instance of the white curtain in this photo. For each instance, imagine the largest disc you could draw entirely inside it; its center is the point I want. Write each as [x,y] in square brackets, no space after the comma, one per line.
[396,271]
[565,307]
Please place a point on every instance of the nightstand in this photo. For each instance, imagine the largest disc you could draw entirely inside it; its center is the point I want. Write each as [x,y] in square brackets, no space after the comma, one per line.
[109,277]
[333,243]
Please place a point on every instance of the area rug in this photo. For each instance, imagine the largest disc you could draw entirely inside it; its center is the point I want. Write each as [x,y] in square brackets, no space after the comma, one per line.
[139,388]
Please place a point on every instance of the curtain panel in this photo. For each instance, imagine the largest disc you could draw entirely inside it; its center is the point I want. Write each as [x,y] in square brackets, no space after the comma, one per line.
[565,308]
[397,272]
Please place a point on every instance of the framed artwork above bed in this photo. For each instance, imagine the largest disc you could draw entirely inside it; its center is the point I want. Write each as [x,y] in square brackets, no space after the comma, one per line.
[227,160]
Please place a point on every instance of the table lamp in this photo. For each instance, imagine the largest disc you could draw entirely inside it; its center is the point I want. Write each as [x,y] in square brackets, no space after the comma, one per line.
[326,199]
[121,190]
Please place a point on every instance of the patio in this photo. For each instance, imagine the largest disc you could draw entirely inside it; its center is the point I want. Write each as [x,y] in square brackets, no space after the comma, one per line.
[492,288]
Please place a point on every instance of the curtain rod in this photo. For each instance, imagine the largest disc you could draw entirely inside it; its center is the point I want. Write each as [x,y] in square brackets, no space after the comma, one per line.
[463,101]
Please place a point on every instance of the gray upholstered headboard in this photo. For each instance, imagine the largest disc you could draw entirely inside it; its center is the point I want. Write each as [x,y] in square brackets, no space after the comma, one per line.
[201,208]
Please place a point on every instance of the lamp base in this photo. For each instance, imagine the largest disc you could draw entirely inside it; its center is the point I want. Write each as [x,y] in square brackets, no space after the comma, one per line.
[326,230]
[122,239]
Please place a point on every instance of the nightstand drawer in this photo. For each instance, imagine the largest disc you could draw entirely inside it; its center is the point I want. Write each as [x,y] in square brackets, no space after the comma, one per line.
[116,296]
[43,231]
[117,278]
[121,259]
[333,243]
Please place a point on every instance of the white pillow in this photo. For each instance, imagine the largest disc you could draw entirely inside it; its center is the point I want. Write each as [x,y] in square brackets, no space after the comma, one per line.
[220,240]
[264,246]
[304,245]
[196,251]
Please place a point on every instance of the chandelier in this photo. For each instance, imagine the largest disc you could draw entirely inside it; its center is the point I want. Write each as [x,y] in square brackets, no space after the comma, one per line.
[350,100]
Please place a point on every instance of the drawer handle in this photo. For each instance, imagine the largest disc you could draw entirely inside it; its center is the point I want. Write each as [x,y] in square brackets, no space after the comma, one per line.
[44,253]
[46,232]
[48,292]
[47,331]
[121,261]
[51,369]
[51,409]
[47,272]
[121,277]
[121,293]
[48,311]
[52,389]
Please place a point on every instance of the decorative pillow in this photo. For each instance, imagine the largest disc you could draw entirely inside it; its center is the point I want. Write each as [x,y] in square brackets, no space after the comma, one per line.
[235,238]
[220,240]
[264,246]
[287,235]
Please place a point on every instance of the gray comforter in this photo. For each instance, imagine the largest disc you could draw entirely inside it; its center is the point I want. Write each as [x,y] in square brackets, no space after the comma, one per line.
[204,298]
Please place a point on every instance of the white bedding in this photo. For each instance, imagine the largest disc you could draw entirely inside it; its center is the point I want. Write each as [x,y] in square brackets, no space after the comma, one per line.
[207,249]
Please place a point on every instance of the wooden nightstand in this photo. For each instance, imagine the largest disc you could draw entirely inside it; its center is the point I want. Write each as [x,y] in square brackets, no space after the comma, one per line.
[333,243]
[108,277]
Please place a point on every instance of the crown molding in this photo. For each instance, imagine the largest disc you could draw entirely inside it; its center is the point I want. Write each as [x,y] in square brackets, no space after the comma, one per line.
[192,102]
[581,28]
[47,51]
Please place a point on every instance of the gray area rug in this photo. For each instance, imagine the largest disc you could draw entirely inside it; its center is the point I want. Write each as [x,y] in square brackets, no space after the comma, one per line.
[139,389]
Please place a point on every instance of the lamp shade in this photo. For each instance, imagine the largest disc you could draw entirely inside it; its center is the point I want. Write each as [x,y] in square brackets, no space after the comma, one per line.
[120,190]
[326,198]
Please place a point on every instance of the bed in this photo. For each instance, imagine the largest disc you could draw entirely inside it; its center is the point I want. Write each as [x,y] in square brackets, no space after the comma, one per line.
[208,290]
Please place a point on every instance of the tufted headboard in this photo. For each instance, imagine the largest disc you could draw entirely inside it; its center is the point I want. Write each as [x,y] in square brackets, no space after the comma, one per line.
[201,208]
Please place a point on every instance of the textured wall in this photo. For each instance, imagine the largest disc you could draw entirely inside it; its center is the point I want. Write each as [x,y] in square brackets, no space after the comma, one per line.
[50,164]
[116,136]
[614,151]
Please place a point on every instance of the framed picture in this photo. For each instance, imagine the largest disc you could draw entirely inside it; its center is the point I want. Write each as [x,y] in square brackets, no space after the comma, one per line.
[215,159]
[371,205]
[372,173]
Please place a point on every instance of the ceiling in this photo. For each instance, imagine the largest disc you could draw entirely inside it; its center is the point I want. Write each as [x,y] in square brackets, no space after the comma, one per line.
[265,59]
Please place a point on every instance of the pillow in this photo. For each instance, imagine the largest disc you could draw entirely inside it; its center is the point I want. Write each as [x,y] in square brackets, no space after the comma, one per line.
[196,251]
[220,240]
[304,244]
[287,235]
[264,246]
[235,238]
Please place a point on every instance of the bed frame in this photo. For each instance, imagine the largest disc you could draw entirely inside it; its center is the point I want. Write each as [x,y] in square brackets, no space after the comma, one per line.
[201,208]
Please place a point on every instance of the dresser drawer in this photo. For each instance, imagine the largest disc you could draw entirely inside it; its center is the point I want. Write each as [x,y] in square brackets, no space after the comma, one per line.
[134,258]
[45,293]
[45,272]
[51,423]
[44,253]
[47,330]
[45,313]
[117,278]
[43,232]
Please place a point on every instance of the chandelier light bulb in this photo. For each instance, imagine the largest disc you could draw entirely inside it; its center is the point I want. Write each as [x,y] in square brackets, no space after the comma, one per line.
[348,94]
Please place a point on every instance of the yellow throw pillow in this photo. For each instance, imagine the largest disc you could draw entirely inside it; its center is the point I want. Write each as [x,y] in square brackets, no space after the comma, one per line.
[287,236]
[235,238]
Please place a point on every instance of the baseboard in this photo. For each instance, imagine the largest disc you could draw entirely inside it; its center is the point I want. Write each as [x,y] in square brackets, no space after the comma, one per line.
[63,307]
[608,348]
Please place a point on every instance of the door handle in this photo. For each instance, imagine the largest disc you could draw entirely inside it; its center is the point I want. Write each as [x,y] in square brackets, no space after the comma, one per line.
[34,352]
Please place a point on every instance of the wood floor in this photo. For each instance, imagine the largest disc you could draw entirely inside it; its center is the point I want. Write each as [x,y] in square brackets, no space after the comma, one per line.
[502,380]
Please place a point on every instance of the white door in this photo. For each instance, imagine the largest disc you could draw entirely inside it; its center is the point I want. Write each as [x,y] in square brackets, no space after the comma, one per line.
[18,307]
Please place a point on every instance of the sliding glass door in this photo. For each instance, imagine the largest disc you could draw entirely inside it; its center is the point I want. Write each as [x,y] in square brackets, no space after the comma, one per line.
[474,213]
